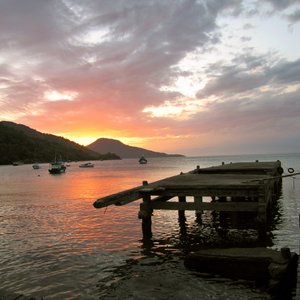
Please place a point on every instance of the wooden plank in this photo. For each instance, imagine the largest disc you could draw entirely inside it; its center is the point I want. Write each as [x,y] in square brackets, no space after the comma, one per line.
[120,198]
[212,191]
[237,206]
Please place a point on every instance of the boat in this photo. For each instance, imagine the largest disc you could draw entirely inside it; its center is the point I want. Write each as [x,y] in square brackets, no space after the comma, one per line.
[86,165]
[57,167]
[36,166]
[17,163]
[143,160]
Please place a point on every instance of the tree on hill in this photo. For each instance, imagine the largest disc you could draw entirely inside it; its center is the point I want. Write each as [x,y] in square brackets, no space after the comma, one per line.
[21,143]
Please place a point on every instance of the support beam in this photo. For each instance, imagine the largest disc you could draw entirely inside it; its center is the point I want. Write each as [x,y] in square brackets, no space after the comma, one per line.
[228,206]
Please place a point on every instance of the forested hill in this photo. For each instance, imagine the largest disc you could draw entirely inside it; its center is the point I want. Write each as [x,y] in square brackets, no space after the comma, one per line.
[21,143]
[124,151]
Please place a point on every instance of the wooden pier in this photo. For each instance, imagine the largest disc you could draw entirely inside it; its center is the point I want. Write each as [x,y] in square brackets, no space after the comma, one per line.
[238,187]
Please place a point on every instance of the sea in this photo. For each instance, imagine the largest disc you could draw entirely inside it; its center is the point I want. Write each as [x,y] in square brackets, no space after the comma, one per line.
[55,245]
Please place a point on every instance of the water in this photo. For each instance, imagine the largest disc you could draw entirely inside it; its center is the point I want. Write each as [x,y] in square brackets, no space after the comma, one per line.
[54,244]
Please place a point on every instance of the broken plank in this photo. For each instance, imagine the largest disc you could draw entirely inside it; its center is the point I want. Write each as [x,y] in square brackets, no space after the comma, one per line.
[120,198]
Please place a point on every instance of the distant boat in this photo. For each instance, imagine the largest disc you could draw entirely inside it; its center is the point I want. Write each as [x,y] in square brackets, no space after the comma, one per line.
[57,167]
[86,165]
[17,163]
[36,166]
[143,160]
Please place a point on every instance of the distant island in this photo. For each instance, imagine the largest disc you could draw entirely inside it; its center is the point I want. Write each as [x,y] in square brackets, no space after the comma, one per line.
[21,143]
[103,145]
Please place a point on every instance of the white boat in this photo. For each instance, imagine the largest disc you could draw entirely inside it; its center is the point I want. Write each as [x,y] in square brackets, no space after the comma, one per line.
[86,165]
[143,160]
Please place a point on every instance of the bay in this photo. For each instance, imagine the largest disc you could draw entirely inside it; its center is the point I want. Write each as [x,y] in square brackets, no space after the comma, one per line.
[54,244]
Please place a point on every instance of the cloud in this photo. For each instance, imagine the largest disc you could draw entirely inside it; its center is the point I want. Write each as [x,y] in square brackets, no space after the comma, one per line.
[294,17]
[129,70]
[108,62]
[278,4]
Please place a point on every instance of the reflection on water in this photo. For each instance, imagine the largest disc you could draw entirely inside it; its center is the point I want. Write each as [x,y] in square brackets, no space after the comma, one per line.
[54,244]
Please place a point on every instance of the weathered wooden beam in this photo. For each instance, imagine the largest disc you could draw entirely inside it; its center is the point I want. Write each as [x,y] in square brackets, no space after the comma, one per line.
[205,191]
[240,206]
[120,198]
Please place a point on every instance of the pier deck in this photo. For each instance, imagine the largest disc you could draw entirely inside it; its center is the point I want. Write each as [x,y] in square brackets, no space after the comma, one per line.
[243,186]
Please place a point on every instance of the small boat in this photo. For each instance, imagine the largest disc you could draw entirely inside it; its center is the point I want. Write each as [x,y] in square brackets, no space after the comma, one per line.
[17,163]
[143,160]
[57,167]
[36,166]
[86,165]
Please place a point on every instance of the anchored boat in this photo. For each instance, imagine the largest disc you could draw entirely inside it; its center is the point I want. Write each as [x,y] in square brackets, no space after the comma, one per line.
[57,167]
[86,165]
[36,166]
[143,160]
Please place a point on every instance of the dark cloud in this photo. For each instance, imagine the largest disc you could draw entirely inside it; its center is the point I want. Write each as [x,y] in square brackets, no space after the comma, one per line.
[287,72]
[279,4]
[249,73]
[245,74]
[294,17]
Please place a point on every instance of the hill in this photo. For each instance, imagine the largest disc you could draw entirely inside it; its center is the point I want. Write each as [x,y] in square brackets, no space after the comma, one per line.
[124,151]
[21,143]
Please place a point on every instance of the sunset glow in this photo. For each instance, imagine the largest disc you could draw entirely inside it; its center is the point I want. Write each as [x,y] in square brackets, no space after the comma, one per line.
[191,77]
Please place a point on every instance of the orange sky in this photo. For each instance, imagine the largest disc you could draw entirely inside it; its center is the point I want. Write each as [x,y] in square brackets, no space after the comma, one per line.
[196,78]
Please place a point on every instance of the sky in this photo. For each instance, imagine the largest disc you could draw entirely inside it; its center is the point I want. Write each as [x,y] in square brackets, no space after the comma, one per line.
[195,77]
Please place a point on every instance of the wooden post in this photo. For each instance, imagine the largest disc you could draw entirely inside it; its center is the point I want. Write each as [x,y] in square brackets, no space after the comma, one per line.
[181,217]
[145,214]
[262,210]
[181,213]
[198,199]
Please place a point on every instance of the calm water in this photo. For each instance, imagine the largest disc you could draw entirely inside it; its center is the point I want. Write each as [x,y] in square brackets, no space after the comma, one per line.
[54,244]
